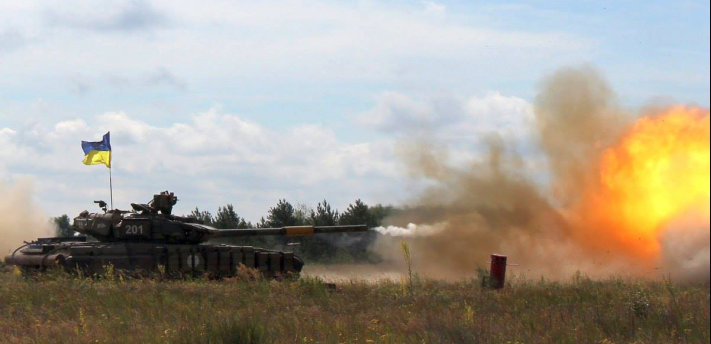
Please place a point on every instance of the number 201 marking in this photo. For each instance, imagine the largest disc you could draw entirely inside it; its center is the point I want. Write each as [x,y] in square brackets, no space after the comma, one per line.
[134,229]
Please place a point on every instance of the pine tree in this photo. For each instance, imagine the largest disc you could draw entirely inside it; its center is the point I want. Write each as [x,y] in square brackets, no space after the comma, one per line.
[357,213]
[283,214]
[227,218]
[203,216]
[324,215]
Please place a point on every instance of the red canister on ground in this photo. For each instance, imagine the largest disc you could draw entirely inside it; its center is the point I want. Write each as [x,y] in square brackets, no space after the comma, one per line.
[497,274]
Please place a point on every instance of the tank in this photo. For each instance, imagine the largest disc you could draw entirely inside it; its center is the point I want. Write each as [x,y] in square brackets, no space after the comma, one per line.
[150,239]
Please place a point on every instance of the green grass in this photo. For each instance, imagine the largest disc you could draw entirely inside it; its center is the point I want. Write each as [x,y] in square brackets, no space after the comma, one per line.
[63,309]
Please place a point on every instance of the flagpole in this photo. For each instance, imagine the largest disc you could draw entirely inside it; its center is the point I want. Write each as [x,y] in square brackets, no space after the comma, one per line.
[111,189]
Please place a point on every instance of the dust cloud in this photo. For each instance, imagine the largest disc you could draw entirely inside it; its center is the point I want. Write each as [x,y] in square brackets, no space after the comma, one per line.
[685,246]
[20,218]
[495,204]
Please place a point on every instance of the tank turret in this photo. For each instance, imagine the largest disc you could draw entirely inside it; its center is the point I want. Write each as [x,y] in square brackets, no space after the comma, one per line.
[147,222]
[149,237]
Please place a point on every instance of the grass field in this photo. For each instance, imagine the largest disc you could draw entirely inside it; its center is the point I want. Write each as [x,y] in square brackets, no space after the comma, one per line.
[62,309]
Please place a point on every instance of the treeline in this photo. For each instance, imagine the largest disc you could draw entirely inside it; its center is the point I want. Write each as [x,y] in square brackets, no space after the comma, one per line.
[322,248]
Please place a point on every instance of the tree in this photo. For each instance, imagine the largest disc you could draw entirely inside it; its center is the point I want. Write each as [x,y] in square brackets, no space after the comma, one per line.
[302,213]
[283,214]
[324,215]
[203,216]
[358,213]
[64,228]
[227,218]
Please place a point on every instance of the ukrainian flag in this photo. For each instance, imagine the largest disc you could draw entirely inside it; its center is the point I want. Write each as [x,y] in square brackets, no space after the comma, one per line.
[97,152]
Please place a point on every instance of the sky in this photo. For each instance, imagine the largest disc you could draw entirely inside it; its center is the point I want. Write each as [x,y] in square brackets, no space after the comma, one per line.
[247,102]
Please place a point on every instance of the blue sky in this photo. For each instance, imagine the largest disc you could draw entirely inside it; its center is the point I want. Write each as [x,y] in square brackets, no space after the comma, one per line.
[250,101]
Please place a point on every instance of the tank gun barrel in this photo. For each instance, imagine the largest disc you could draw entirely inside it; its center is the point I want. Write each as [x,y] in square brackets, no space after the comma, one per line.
[289,231]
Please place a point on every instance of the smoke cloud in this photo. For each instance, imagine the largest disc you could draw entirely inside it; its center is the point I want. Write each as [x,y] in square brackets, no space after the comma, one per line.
[685,246]
[20,219]
[495,204]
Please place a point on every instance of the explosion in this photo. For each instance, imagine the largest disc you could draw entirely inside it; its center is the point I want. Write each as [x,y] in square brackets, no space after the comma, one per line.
[658,171]
[626,194]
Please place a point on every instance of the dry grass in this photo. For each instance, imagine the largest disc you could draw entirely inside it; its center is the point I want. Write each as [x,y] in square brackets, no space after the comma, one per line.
[62,309]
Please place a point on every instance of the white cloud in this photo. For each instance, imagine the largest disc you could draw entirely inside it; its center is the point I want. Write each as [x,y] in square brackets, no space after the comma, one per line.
[214,141]
[69,127]
[449,117]
[213,159]
[264,40]
[6,132]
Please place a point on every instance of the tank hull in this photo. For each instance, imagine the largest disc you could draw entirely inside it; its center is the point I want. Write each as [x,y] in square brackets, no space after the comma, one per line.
[215,260]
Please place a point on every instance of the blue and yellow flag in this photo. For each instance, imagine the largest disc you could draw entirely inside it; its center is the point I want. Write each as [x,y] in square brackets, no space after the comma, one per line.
[97,152]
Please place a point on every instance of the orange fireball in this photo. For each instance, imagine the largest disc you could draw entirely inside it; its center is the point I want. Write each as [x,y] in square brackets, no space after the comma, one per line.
[658,170]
